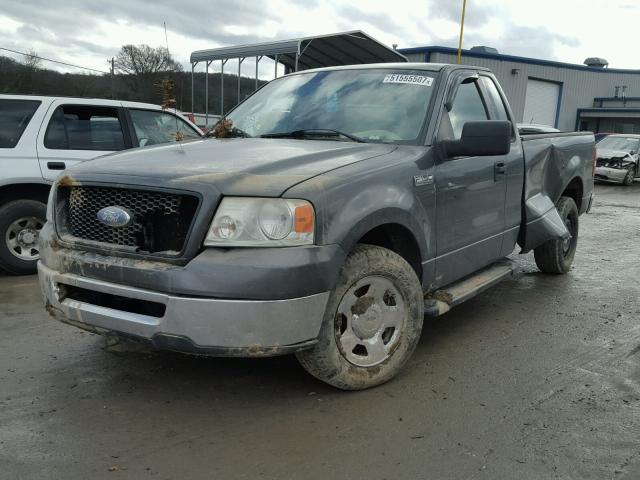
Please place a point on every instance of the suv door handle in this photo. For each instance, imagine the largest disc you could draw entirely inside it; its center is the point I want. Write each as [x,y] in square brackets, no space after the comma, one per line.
[56,165]
[499,169]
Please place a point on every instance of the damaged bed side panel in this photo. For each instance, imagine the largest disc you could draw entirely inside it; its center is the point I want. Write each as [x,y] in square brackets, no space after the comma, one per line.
[553,163]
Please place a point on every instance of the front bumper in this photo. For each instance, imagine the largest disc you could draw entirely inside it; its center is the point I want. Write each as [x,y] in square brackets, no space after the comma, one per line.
[189,324]
[608,174]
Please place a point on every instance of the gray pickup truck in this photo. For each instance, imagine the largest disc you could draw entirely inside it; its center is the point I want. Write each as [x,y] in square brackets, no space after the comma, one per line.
[344,205]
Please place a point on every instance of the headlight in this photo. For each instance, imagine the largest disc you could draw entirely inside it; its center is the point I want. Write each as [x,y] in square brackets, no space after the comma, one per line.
[261,222]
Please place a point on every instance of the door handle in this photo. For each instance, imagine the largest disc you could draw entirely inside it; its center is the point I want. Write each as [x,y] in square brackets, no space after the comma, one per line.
[499,170]
[56,165]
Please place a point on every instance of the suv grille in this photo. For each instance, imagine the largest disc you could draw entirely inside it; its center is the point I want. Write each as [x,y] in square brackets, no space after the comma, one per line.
[160,221]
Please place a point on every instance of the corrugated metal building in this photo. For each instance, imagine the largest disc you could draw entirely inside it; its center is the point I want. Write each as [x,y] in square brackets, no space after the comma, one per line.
[563,95]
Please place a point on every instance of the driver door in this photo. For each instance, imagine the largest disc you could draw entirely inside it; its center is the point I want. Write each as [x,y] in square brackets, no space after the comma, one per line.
[470,194]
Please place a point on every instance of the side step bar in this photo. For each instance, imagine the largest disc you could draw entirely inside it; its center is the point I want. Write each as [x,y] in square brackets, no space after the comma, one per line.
[441,301]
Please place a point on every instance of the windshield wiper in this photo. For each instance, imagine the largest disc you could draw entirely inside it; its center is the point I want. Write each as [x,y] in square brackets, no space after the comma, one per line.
[314,132]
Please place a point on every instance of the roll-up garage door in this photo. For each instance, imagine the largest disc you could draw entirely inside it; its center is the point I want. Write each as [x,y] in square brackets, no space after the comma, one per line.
[541,102]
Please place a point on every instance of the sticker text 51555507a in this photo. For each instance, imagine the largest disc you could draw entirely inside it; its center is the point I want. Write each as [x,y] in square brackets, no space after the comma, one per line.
[410,79]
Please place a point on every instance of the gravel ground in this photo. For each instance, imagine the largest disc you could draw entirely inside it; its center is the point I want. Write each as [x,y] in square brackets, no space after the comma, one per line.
[537,378]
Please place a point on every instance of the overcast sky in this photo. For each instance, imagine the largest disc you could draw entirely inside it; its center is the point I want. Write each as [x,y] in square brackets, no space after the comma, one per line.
[91,31]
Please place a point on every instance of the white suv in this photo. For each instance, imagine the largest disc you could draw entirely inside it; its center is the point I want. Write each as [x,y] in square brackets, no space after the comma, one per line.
[41,136]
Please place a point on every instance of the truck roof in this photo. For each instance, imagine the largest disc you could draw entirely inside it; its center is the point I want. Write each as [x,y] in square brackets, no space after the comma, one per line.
[427,67]
[85,101]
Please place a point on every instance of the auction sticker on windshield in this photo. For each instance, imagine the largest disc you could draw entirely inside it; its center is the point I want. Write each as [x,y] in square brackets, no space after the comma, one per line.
[411,79]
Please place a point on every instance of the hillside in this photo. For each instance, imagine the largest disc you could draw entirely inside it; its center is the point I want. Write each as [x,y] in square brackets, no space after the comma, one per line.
[20,79]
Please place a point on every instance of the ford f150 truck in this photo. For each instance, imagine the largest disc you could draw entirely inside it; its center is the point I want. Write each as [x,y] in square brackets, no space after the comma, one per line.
[344,205]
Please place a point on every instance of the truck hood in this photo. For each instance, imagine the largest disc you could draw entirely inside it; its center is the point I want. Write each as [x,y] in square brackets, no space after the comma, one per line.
[235,166]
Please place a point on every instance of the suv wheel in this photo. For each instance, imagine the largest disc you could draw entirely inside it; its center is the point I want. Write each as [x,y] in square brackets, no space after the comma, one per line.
[372,323]
[20,225]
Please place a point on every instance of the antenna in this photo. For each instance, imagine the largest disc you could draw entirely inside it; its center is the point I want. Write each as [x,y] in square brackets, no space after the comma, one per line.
[166,39]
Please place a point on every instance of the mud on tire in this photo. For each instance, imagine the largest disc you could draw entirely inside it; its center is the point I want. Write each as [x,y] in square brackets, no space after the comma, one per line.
[372,323]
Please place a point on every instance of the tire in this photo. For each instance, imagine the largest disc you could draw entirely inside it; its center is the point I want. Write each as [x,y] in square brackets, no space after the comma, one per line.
[20,223]
[383,298]
[628,178]
[556,256]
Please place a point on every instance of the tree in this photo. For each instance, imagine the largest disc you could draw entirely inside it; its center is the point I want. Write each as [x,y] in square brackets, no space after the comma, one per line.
[31,66]
[143,60]
[142,67]
[32,61]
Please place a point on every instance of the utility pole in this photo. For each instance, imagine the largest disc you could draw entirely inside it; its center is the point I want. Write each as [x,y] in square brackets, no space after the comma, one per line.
[113,71]
[464,7]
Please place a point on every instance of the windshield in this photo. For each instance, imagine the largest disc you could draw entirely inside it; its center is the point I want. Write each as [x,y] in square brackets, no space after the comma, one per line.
[625,144]
[379,105]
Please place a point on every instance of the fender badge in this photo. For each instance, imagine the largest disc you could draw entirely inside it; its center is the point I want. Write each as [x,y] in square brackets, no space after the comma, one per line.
[420,180]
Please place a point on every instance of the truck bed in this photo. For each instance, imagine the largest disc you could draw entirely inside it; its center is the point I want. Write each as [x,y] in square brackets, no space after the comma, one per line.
[553,161]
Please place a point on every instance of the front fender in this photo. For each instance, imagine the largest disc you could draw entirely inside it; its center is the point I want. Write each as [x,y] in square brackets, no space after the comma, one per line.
[353,200]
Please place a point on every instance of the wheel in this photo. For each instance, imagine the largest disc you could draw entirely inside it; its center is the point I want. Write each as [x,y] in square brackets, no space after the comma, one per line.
[556,256]
[20,225]
[628,178]
[372,323]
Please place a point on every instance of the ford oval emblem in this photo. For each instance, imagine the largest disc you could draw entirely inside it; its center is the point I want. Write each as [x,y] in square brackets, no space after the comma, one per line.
[114,216]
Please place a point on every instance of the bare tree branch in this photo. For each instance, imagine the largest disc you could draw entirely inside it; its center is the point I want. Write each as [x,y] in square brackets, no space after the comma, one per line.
[143,60]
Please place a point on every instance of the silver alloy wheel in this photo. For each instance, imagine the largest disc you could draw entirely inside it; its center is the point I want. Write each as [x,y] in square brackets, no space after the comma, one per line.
[369,320]
[22,238]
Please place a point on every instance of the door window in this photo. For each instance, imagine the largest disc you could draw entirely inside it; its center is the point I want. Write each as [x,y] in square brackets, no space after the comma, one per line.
[84,127]
[494,101]
[467,107]
[14,118]
[155,127]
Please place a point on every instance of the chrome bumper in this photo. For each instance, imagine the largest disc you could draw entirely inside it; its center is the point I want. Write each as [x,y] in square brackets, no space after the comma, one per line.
[194,325]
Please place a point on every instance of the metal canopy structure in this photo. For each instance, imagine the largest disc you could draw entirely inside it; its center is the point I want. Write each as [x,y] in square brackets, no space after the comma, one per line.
[346,48]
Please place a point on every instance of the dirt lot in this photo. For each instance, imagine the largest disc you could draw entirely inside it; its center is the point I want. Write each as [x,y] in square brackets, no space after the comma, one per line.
[537,378]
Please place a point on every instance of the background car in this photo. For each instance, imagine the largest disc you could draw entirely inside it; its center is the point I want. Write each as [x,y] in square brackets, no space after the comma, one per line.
[41,136]
[617,158]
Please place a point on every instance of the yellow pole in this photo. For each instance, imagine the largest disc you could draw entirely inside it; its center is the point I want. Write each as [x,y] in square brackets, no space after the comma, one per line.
[464,7]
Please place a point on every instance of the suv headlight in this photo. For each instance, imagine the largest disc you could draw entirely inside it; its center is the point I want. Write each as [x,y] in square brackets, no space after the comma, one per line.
[261,222]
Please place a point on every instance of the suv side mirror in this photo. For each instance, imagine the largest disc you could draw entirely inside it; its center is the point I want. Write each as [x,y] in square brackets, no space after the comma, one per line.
[484,138]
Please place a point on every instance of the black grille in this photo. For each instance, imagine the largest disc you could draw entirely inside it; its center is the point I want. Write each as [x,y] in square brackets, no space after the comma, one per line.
[160,220]
[602,162]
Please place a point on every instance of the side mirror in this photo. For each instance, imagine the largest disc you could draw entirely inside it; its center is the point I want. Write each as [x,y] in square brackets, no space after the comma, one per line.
[484,138]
